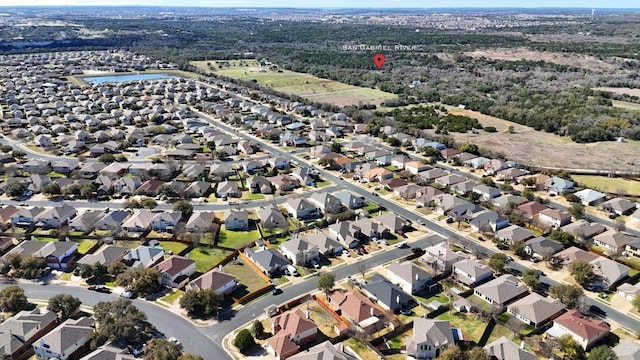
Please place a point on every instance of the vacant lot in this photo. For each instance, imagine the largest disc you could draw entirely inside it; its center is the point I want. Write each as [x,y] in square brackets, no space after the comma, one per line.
[536,148]
[291,82]
[609,185]
[576,60]
[620,90]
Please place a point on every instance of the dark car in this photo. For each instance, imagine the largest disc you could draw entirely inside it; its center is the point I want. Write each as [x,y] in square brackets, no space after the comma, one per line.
[276,291]
[597,311]
[99,288]
[416,249]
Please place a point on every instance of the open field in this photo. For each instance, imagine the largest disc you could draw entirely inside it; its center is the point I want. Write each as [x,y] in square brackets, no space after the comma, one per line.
[619,90]
[625,105]
[291,82]
[537,148]
[609,185]
[576,60]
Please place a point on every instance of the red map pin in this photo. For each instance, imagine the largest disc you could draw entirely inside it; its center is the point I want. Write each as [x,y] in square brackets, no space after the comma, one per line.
[378,59]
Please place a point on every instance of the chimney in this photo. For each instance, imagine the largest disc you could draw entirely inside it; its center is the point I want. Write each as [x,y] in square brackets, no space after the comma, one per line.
[371,311]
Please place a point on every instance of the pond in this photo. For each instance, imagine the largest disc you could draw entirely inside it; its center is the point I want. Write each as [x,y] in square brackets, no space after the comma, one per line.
[96,80]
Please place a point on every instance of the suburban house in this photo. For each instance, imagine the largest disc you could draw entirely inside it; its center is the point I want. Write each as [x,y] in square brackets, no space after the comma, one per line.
[441,257]
[542,248]
[500,291]
[228,189]
[26,217]
[415,167]
[301,209]
[139,222]
[505,349]
[270,261]
[590,197]
[410,277]
[393,222]
[628,291]
[85,221]
[259,185]
[112,220]
[609,272]
[67,341]
[109,352]
[627,349]
[555,185]
[291,329]
[328,351]
[531,209]
[299,251]
[272,218]
[216,280]
[19,331]
[349,200]
[200,221]
[166,221]
[618,206]
[513,233]
[54,218]
[326,245]
[430,338]
[58,254]
[326,202]
[535,310]
[585,331]
[488,220]
[198,189]
[554,218]
[486,192]
[583,230]
[357,308]
[377,174]
[175,271]
[614,241]
[390,296]
[471,272]
[106,256]
[143,256]
[569,255]
[236,219]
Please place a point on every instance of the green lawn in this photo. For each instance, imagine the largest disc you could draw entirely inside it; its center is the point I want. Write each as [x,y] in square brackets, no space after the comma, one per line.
[322,183]
[46,239]
[174,247]
[173,296]
[85,245]
[131,244]
[256,196]
[206,257]
[250,281]
[427,297]
[631,262]
[607,184]
[499,331]
[236,239]
[363,351]
[76,233]
[467,322]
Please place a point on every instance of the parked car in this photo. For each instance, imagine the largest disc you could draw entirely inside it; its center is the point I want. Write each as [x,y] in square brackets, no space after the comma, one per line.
[99,288]
[346,253]
[405,311]
[127,294]
[276,291]
[174,340]
[315,264]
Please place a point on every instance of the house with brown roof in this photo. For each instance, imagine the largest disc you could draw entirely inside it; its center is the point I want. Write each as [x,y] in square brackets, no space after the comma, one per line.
[415,167]
[150,187]
[67,341]
[216,280]
[393,183]
[535,310]
[502,290]
[569,255]
[618,206]
[377,174]
[357,308]
[18,332]
[554,218]
[6,213]
[290,330]
[614,241]
[175,271]
[505,349]
[513,233]
[585,331]
[531,209]
[449,153]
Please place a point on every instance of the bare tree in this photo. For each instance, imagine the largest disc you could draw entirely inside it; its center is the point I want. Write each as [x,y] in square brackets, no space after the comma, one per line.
[361,265]
[620,225]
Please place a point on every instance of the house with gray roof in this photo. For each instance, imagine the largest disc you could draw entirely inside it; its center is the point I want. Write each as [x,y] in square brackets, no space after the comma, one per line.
[618,206]
[535,310]
[236,219]
[349,200]
[389,296]
[139,222]
[471,272]
[409,276]
[488,218]
[112,220]
[272,218]
[26,217]
[325,244]
[542,247]
[555,185]
[54,218]
[109,352]
[299,250]
[430,338]
[19,331]
[501,291]
[326,351]
[627,349]
[143,257]
[326,202]
[216,280]
[166,221]
[505,349]
[198,189]
[589,197]
[441,257]
[614,241]
[583,230]
[106,256]
[200,221]
[610,273]
[228,189]
[513,233]
[270,261]
[301,209]
[67,341]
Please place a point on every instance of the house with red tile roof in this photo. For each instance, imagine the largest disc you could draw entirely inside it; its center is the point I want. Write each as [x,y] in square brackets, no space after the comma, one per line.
[357,308]
[290,330]
[531,209]
[585,331]
[175,271]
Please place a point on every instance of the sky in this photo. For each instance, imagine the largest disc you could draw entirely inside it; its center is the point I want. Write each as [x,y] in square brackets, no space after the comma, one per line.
[340,3]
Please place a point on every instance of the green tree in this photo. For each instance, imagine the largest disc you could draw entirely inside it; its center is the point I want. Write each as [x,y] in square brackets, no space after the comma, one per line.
[162,349]
[244,341]
[577,210]
[257,329]
[519,249]
[149,203]
[336,147]
[498,262]
[201,302]
[567,294]
[64,305]
[528,194]
[31,266]
[51,189]
[19,154]
[452,353]
[582,272]
[602,352]
[184,207]
[121,319]
[326,282]
[15,189]
[144,281]
[565,238]
[13,299]
[572,198]
[505,188]
[469,147]
[531,278]
[528,181]
[107,158]
[570,348]
[476,353]
[132,204]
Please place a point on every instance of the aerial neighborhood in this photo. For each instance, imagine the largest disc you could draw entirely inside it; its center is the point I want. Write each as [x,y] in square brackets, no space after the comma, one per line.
[219,203]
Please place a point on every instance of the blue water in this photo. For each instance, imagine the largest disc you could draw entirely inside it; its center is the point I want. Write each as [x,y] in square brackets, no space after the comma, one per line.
[96,80]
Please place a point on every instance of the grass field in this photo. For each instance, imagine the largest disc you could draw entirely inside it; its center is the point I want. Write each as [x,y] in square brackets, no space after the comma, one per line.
[610,185]
[250,281]
[174,247]
[363,351]
[206,257]
[468,323]
[85,245]
[173,296]
[304,85]
[235,239]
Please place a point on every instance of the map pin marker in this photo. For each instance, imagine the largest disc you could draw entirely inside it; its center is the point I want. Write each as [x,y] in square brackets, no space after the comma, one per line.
[378,59]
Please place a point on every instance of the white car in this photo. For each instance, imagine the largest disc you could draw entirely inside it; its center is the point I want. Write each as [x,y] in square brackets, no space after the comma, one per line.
[127,294]
[174,340]
[315,263]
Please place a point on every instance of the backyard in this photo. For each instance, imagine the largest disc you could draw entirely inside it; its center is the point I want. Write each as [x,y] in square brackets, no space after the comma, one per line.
[85,245]
[236,239]
[250,280]
[206,257]
[173,247]
[469,323]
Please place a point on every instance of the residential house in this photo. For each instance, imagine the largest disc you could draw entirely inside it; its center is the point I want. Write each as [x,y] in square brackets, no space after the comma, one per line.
[304,175]
[585,331]
[628,291]
[430,338]
[259,185]
[494,165]
[542,248]
[272,218]
[139,222]
[535,310]
[511,174]
[6,243]
[176,270]
[200,222]
[610,273]
[513,233]
[389,296]
[505,349]
[393,222]
[366,228]
[126,185]
[590,197]
[508,201]
[449,153]
[426,196]
[415,167]
[112,220]
[326,245]
[109,352]
[67,341]
[326,202]
[441,257]
[328,351]
[471,272]
[278,162]
[228,189]
[236,219]
[150,187]
[613,241]
[270,261]
[42,140]
[284,182]
[627,349]
[357,308]
[299,251]
[488,220]
[501,291]
[26,217]
[198,189]
[567,256]
[583,230]
[91,170]
[449,180]
[301,209]
[486,192]
[291,329]
[216,280]
[531,209]
[554,218]
[393,183]
[410,277]
[19,331]
[54,218]
[349,200]
[464,187]
[618,206]
[408,191]
[556,186]
[143,257]
[6,212]
[106,256]
[166,221]
[377,174]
